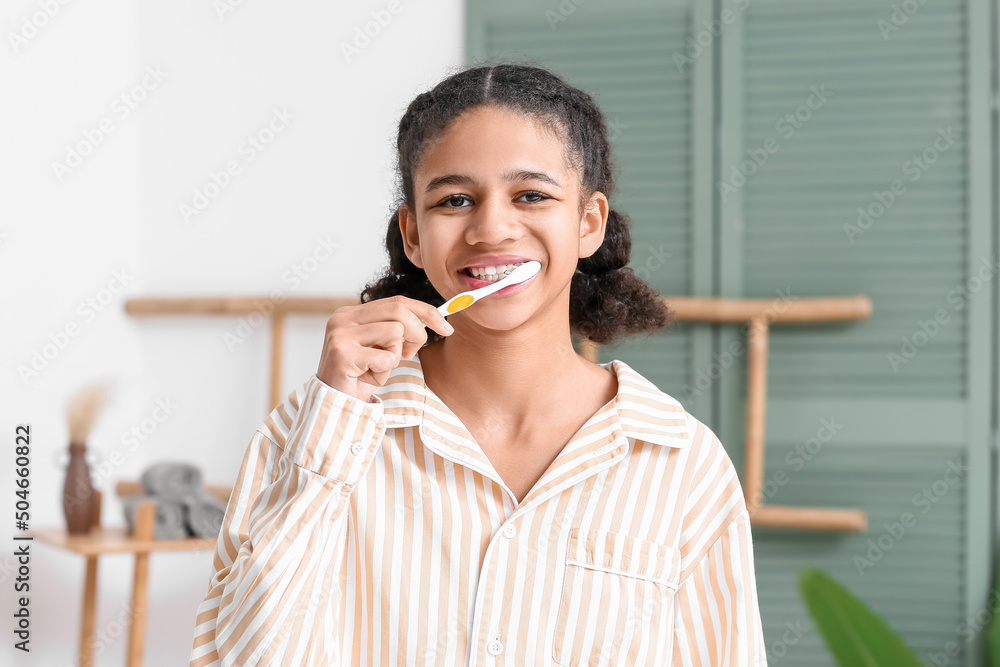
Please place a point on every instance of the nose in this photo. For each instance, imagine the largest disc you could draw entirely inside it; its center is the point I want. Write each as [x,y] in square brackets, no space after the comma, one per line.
[493,223]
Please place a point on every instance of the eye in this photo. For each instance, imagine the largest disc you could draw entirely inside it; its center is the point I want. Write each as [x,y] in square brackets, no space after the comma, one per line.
[452,198]
[535,194]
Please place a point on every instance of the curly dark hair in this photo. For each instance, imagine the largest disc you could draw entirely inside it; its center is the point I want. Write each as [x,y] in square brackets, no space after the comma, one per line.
[608,301]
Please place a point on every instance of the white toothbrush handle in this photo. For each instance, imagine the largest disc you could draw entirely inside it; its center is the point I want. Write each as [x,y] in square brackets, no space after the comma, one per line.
[478,294]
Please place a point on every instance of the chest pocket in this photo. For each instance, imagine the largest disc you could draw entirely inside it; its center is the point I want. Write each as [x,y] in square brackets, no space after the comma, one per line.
[616,606]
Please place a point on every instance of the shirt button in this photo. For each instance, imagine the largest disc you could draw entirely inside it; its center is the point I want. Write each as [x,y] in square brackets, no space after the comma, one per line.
[509,530]
[358,448]
[495,647]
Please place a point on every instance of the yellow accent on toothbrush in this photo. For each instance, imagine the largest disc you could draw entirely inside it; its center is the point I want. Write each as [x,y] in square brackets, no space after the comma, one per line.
[462,301]
[459,303]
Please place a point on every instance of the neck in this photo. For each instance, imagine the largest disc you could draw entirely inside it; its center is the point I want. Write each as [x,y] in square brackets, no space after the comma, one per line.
[508,378]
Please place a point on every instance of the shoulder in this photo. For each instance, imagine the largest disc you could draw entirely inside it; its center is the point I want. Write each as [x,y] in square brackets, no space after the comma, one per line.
[654,415]
[706,449]
[714,495]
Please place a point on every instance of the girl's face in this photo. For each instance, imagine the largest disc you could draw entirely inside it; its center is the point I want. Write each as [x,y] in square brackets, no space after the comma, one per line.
[495,183]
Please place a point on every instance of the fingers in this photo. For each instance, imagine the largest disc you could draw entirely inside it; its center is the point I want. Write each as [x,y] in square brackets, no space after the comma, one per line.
[392,335]
[364,343]
[429,316]
[412,313]
[380,364]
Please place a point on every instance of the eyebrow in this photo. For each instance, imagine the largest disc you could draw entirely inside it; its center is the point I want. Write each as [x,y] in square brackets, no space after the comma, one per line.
[514,176]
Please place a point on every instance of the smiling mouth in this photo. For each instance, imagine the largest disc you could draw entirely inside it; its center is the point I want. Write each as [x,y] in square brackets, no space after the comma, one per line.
[491,277]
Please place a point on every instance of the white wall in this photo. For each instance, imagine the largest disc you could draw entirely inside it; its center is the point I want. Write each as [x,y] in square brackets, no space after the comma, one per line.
[327,174]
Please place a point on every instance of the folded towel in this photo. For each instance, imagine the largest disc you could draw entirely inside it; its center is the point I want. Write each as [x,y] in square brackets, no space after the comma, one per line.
[204,513]
[170,524]
[172,480]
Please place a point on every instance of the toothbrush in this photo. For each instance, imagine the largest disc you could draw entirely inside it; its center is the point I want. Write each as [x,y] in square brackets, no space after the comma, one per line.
[466,299]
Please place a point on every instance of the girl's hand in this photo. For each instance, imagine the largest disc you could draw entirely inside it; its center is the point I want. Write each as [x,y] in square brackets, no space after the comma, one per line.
[365,342]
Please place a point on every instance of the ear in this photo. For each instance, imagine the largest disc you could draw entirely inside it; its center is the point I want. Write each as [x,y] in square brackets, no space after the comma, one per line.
[593,224]
[411,237]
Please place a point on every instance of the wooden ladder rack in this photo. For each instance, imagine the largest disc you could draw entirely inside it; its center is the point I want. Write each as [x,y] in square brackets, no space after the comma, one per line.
[758,314]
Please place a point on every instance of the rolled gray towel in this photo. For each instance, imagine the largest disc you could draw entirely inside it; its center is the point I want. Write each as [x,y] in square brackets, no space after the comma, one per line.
[170,524]
[172,480]
[204,513]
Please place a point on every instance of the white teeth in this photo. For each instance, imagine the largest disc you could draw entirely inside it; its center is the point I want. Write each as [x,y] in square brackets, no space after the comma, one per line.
[492,273]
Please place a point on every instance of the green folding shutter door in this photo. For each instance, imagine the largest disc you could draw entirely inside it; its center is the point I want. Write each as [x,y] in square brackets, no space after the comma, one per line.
[857,107]
[844,426]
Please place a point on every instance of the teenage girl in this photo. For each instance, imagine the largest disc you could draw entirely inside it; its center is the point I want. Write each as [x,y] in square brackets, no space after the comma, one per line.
[471,490]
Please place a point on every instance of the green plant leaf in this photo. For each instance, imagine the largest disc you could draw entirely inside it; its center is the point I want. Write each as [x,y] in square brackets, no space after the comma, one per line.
[854,634]
[994,637]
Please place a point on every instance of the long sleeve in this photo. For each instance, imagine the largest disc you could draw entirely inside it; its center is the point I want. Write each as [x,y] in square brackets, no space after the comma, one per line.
[716,614]
[717,618]
[272,594]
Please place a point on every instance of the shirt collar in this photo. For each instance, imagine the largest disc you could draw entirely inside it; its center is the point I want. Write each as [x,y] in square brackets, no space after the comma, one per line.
[644,412]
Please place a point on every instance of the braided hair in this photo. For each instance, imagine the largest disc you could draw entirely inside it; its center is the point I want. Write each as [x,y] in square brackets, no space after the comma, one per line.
[608,301]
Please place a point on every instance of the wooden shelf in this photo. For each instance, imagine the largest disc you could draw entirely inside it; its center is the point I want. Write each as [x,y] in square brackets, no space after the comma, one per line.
[115,539]
[105,540]
[808,518]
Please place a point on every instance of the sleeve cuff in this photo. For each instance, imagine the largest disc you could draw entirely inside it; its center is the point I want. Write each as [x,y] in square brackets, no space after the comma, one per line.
[334,433]
[374,400]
